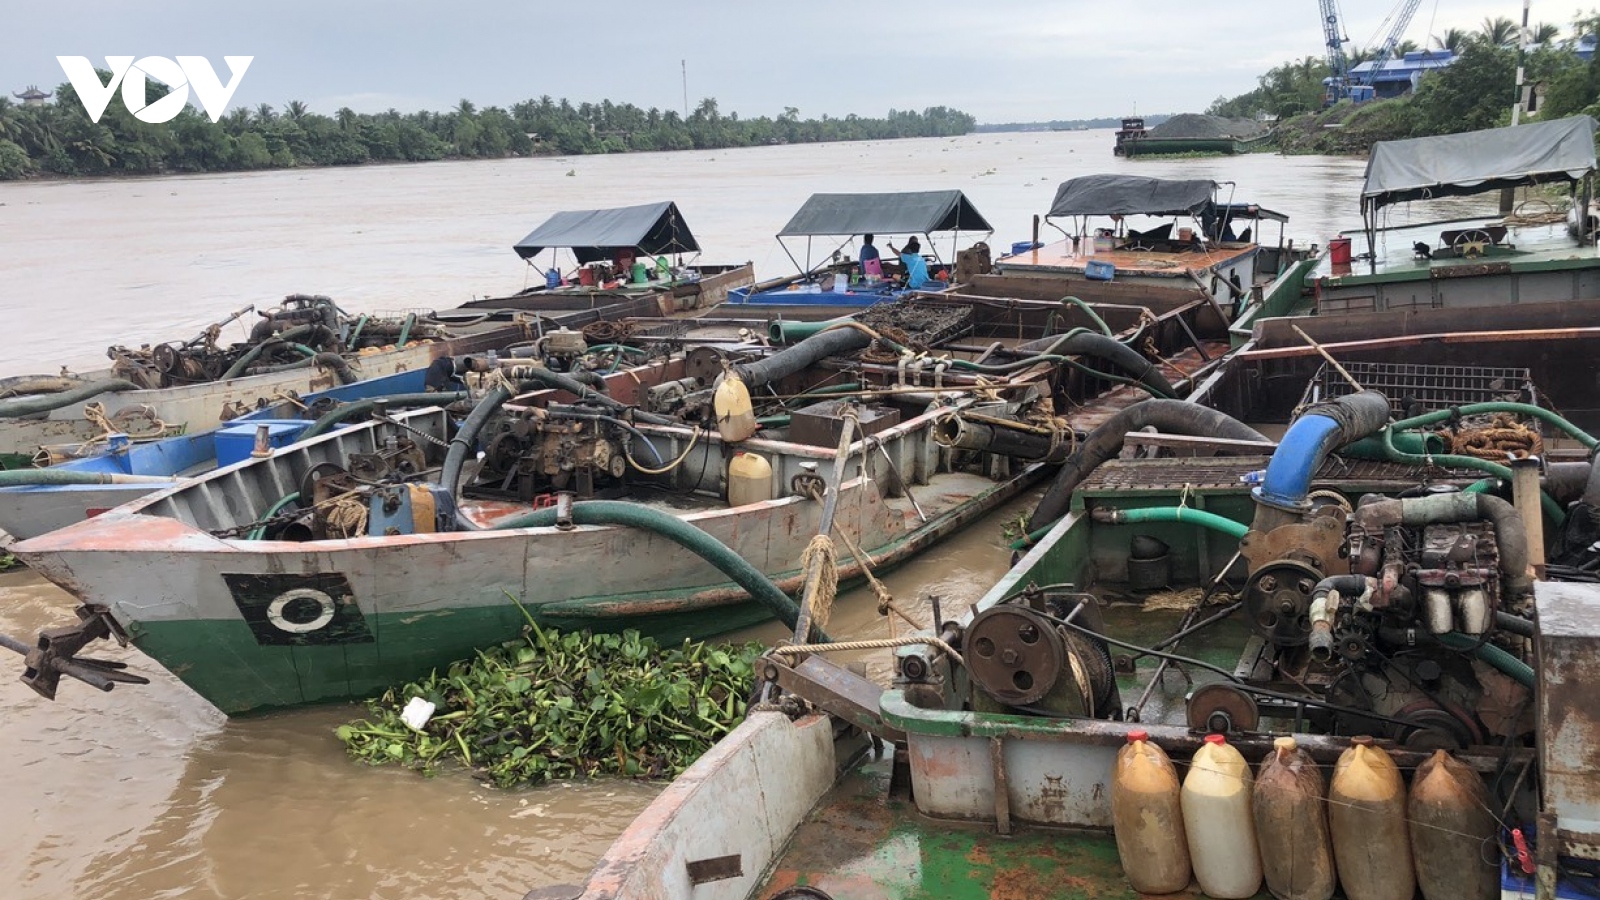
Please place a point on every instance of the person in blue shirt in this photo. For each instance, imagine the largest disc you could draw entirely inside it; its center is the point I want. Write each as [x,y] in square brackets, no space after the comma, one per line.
[911,257]
[871,262]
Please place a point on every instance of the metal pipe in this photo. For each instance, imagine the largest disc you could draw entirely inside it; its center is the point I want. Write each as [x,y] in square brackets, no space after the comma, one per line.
[1526,496]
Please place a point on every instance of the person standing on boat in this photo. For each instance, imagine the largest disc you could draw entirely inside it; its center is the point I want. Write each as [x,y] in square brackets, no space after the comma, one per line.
[871,262]
[911,257]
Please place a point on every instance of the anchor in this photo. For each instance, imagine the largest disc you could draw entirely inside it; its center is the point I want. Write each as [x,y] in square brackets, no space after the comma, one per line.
[55,653]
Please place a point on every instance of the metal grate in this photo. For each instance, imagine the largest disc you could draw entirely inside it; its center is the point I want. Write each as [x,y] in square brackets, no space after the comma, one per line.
[1228,473]
[1414,389]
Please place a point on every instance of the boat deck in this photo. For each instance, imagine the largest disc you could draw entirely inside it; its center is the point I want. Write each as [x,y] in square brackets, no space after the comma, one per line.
[1177,368]
[1060,257]
[866,841]
[1516,248]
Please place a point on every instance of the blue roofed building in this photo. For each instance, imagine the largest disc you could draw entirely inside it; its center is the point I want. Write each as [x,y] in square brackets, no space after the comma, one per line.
[1400,75]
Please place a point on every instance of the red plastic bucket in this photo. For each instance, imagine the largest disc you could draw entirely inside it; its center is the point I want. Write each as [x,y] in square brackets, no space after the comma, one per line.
[1339,251]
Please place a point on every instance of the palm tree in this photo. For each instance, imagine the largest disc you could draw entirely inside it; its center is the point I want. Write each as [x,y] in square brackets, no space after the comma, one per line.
[1498,32]
[296,111]
[10,125]
[1546,33]
[347,119]
[1454,40]
[265,113]
[1404,47]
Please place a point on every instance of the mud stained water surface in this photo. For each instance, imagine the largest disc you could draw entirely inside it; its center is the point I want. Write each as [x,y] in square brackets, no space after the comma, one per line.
[148,791]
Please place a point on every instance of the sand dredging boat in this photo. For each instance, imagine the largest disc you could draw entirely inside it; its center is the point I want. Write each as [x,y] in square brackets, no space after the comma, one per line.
[159,413]
[361,558]
[1236,663]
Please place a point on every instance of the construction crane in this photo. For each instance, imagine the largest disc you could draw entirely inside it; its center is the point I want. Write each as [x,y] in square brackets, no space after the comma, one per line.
[1338,82]
[1341,84]
[1402,18]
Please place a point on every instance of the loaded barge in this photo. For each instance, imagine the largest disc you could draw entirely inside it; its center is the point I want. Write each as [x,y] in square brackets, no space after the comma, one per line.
[338,566]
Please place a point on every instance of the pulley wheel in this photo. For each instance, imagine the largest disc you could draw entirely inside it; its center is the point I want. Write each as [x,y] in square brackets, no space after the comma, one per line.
[316,474]
[1222,709]
[166,358]
[1277,598]
[1014,654]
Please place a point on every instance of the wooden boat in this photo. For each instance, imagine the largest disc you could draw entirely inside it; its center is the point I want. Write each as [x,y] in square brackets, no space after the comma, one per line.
[832,279]
[1005,730]
[621,255]
[119,471]
[391,583]
[1222,250]
[180,387]
[1536,256]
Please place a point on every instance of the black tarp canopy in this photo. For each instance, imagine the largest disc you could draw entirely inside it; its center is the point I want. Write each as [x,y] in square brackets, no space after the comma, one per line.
[592,234]
[918,212]
[1474,162]
[1131,195]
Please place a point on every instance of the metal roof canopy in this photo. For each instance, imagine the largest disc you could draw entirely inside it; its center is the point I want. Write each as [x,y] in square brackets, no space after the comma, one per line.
[1476,162]
[594,234]
[914,212]
[1131,195]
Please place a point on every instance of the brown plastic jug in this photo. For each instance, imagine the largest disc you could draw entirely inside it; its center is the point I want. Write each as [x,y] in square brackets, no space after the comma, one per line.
[1291,813]
[1452,832]
[1367,816]
[1148,818]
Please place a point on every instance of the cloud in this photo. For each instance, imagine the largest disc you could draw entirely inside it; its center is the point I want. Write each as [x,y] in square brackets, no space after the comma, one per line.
[1004,60]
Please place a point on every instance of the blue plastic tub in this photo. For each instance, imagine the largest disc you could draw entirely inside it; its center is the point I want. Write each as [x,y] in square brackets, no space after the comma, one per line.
[1024,246]
[234,442]
[1096,270]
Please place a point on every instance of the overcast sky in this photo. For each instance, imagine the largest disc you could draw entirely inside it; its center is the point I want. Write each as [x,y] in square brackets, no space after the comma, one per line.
[1001,60]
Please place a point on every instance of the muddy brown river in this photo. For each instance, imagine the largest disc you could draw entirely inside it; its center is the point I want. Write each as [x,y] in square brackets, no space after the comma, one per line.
[149,792]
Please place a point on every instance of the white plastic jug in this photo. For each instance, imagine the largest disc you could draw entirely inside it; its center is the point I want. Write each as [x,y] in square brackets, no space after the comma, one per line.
[1218,822]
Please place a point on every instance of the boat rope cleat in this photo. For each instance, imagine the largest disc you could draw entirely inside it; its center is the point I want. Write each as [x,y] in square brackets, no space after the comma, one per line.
[55,653]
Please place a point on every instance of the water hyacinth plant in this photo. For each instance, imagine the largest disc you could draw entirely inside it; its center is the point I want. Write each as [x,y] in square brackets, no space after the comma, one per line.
[556,706]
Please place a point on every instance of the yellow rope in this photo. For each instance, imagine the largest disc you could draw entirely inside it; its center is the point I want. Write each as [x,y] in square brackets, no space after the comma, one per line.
[347,514]
[885,643]
[819,558]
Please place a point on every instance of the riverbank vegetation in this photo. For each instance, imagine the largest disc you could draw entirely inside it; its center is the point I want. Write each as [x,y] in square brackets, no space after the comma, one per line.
[557,706]
[1476,91]
[58,138]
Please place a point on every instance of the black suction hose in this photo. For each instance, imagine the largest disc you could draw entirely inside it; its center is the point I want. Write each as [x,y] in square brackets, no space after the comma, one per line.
[793,359]
[1170,416]
[339,365]
[1087,343]
[27,406]
[348,411]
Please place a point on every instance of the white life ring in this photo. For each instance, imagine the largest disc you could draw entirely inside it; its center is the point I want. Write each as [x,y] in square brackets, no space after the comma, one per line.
[326,605]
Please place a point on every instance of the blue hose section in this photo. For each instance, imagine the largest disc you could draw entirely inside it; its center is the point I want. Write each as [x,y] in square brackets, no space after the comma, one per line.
[1289,472]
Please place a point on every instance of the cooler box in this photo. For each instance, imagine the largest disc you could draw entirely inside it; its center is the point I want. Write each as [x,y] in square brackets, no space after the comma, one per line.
[1096,270]
[234,442]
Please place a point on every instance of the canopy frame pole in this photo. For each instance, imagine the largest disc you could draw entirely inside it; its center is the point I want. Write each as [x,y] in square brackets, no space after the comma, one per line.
[1369,224]
[933,247]
[797,267]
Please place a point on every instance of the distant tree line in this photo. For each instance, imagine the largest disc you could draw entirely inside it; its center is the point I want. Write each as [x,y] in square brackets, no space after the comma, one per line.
[58,137]
[1069,124]
[1476,91]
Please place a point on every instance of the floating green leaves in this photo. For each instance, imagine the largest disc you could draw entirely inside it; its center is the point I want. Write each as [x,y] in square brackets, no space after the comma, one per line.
[555,706]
